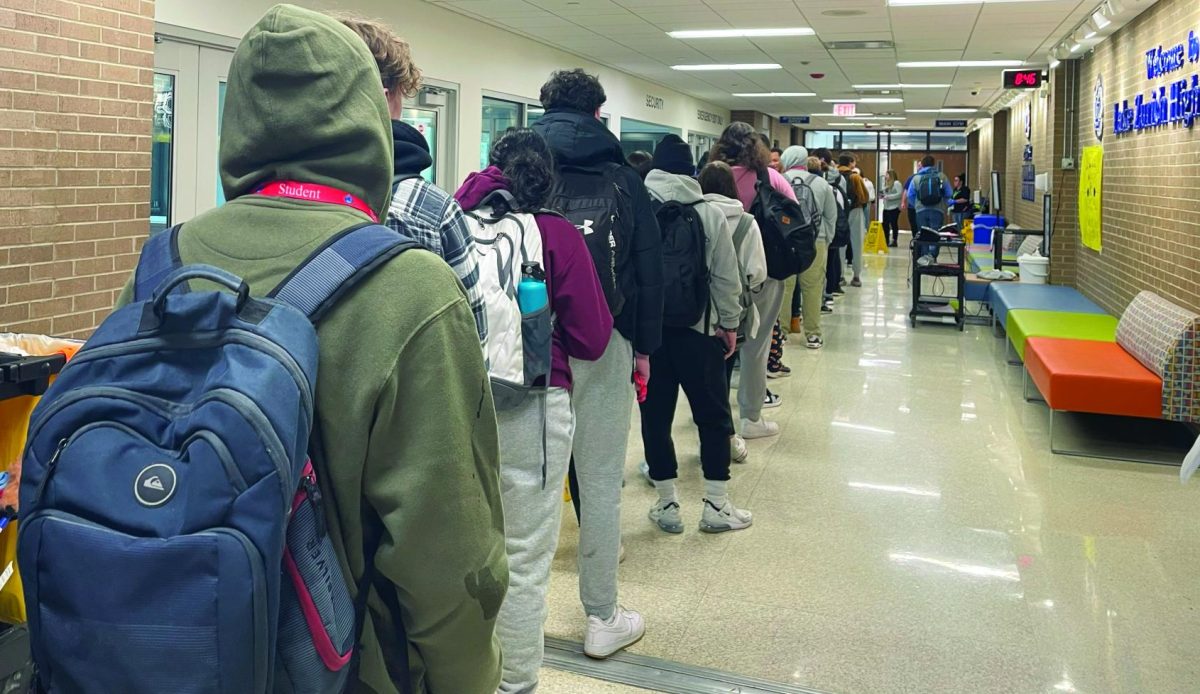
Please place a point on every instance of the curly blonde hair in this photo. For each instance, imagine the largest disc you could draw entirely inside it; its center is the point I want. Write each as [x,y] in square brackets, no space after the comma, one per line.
[392,54]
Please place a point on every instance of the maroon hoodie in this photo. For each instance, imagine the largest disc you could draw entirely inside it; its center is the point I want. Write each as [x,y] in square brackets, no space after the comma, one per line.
[582,323]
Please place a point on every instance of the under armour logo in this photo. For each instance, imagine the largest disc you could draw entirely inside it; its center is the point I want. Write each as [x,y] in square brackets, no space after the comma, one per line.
[587,227]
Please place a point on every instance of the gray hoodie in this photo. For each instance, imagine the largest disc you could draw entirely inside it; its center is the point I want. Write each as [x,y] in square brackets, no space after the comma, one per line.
[752,259]
[724,273]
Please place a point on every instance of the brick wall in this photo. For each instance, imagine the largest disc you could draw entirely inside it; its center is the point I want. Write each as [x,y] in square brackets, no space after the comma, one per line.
[1017,210]
[75,113]
[1151,188]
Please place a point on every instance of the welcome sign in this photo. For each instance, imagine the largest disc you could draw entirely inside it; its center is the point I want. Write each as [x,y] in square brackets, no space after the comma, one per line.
[1178,102]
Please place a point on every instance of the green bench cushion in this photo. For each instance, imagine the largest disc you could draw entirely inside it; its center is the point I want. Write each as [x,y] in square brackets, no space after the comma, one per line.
[1024,323]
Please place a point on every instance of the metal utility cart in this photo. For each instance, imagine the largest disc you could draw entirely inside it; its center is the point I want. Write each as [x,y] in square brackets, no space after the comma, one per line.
[936,305]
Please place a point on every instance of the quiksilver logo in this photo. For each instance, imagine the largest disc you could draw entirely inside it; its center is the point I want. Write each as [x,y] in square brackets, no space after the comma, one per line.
[155,485]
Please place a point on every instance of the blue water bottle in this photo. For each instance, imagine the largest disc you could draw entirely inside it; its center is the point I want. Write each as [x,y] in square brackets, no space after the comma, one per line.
[531,292]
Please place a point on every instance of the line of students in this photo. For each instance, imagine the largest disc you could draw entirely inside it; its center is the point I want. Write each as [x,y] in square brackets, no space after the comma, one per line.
[443,458]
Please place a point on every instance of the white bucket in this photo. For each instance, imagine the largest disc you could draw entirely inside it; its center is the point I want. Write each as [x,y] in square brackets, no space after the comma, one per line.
[1034,269]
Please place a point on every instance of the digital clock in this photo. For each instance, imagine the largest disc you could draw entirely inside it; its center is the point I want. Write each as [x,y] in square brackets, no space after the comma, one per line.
[1022,79]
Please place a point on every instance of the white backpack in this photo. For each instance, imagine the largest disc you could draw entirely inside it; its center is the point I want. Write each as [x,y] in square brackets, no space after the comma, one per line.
[518,344]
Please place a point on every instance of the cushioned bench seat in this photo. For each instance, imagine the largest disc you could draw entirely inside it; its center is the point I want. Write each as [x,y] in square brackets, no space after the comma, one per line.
[1091,376]
[981,258]
[1006,296]
[1026,323]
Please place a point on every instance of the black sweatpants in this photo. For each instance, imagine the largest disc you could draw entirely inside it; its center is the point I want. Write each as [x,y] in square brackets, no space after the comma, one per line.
[891,225]
[686,359]
[833,270]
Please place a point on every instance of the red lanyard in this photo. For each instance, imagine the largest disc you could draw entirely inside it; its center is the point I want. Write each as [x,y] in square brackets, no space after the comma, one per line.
[315,192]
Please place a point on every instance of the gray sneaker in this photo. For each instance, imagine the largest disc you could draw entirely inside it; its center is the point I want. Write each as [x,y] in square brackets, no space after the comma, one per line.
[666,516]
[724,519]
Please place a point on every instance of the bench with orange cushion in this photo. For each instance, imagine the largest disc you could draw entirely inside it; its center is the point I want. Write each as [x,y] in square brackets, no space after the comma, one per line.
[1151,370]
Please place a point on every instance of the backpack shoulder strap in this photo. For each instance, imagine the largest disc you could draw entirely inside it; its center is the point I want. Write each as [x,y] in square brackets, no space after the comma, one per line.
[338,266]
[740,231]
[160,258]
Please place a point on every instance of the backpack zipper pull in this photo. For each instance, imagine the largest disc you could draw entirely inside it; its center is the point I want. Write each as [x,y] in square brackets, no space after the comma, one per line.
[313,492]
[50,467]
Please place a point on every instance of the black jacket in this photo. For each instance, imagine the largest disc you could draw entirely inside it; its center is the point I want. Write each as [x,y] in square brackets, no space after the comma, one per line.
[579,139]
[411,151]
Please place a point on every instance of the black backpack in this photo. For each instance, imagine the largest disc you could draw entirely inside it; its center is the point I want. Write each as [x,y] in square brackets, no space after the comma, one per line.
[592,199]
[929,189]
[789,238]
[841,231]
[685,265]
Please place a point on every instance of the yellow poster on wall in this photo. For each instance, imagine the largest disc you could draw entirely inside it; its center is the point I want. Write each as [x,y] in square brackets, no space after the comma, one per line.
[1091,169]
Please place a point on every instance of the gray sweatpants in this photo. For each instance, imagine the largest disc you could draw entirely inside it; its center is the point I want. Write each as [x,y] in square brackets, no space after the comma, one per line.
[532,514]
[752,383]
[858,232]
[603,399]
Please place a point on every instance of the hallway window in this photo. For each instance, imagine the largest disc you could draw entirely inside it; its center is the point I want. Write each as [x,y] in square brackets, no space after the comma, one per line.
[161,151]
[910,141]
[854,139]
[816,139]
[636,134]
[948,141]
[498,116]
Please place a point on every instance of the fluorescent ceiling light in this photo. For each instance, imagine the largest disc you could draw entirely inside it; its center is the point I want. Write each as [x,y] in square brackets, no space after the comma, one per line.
[1075,47]
[1100,20]
[962,63]
[727,66]
[740,33]
[917,3]
[764,94]
[869,117]
[843,124]
[941,110]
[834,115]
[902,86]
[1088,35]
[867,100]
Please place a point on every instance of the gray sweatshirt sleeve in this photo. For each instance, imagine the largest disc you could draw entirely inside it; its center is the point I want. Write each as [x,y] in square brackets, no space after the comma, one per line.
[829,213]
[724,272]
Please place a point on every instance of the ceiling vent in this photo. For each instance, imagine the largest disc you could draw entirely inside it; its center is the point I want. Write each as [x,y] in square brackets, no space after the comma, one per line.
[858,45]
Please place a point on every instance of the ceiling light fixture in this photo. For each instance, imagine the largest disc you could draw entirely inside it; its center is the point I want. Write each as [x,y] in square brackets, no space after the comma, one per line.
[919,3]
[961,63]
[727,66]
[834,115]
[941,110]
[751,95]
[869,117]
[845,123]
[1089,35]
[1053,63]
[1076,47]
[740,33]
[867,100]
[1099,18]
[902,86]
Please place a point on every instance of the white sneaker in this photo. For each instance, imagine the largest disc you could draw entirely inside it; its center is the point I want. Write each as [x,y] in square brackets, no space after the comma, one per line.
[814,342]
[737,449]
[666,516]
[724,519]
[606,638]
[758,429]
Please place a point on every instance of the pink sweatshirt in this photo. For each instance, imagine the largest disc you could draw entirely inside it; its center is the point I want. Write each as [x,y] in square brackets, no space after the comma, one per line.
[746,178]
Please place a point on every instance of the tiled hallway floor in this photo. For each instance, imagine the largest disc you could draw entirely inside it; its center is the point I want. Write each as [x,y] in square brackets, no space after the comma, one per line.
[913,534]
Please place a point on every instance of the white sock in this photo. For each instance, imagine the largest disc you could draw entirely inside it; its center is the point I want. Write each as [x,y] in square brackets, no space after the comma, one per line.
[716,492]
[666,491]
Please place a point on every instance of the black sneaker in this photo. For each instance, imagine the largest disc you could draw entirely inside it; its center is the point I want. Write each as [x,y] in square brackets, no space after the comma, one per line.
[839,291]
[826,308]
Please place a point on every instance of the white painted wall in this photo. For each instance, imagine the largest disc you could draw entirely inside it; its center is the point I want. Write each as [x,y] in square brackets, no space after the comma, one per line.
[476,56]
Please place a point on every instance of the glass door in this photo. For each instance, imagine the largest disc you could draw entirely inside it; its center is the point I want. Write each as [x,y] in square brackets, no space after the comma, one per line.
[425,121]
[173,144]
[213,80]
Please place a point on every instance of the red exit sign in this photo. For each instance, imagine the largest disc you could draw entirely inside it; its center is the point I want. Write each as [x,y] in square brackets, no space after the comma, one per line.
[1023,79]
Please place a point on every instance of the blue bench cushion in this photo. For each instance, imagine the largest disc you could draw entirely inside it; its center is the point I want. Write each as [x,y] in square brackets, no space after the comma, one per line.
[1006,296]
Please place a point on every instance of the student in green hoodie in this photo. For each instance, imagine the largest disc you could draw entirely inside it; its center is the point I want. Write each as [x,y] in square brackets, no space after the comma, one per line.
[404,408]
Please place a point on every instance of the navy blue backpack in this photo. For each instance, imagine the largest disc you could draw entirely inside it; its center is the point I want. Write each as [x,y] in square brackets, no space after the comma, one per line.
[172,537]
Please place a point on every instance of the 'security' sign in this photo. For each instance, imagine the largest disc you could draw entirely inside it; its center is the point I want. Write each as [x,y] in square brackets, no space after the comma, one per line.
[1178,102]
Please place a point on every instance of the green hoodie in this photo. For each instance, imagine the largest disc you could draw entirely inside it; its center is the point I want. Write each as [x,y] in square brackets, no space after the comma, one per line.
[404,409]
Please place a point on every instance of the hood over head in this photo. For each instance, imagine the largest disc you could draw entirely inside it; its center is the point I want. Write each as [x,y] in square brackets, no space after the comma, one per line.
[668,186]
[795,157]
[305,103]
[479,185]
[578,138]
[673,155]
[411,150]
[732,209]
